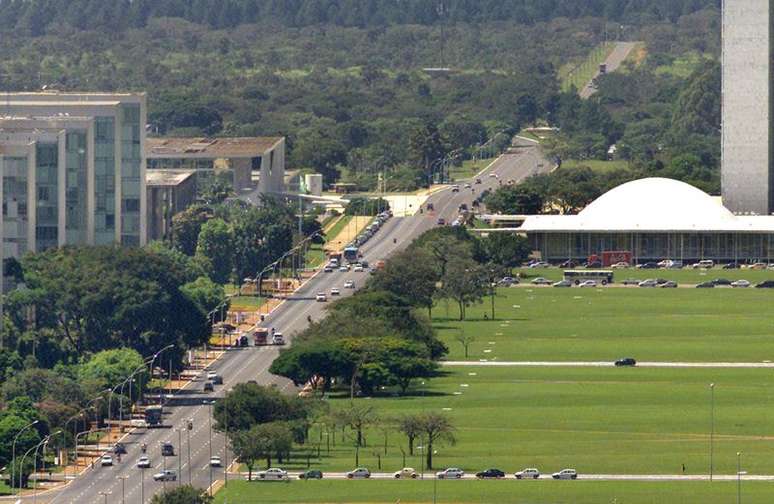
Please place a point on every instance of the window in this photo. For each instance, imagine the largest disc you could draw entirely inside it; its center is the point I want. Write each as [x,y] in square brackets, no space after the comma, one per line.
[131,205]
[43,194]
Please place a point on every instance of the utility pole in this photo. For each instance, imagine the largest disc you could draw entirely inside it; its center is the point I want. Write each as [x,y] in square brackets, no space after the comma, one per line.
[712,428]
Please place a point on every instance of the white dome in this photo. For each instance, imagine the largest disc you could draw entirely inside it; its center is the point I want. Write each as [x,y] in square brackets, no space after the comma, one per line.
[654,204]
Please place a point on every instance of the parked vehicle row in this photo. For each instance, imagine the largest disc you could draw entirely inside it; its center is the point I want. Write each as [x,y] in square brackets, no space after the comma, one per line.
[277,474]
[704,264]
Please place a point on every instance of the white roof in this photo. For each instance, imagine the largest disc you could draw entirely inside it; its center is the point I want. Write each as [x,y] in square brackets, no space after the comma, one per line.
[651,205]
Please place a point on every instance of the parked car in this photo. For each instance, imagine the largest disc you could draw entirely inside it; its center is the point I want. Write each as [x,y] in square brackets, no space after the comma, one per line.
[450,473]
[758,266]
[740,283]
[669,284]
[703,264]
[490,474]
[538,264]
[343,269]
[569,264]
[275,473]
[766,284]
[327,269]
[706,285]
[647,265]
[144,462]
[541,281]
[359,473]
[349,284]
[167,475]
[565,474]
[358,268]
[478,181]
[406,472]
[721,281]
[106,461]
[508,281]
[650,282]
[321,297]
[215,461]
[631,281]
[335,291]
[626,361]
[593,264]
[620,265]
[529,473]
[562,283]
[731,266]
[311,474]
[588,283]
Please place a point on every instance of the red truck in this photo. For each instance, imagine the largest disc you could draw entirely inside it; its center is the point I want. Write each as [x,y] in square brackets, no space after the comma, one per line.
[260,336]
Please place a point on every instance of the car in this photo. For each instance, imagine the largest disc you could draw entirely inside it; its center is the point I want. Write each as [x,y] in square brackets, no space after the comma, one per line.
[106,461]
[430,207]
[588,283]
[349,284]
[321,297]
[650,282]
[208,387]
[327,269]
[167,450]
[490,474]
[541,281]
[343,269]
[731,266]
[626,361]
[335,291]
[214,378]
[468,186]
[311,474]
[620,265]
[565,474]
[529,473]
[359,473]
[215,461]
[538,264]
[119,449]
[144,462]
[631,281]
[450,473]
[669,284]
[139,423]
[278,339]
[647,265]
[740,283]
[441,221]
[406,472]
[766,284]
[494,175]
[706,285]
[507,281]
[704,264]
[455,188]
[562,283]
[478,181]
[721,281]
[593,264]
[463,207]
[166,475]
[274,473]
[569,264]
[358,269]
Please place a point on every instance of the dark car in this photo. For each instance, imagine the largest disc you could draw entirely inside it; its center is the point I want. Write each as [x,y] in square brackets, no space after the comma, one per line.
[648,265]
[430,207]
[243,341]
[478,181]
[208,387]
[594,264]
[766,284]
[441,221]
[311,474]
[706,285]
[119,449]
[490,473]
[167,450]
[731,266]
[569,264]
[463,207]
[627,361]
[721,281]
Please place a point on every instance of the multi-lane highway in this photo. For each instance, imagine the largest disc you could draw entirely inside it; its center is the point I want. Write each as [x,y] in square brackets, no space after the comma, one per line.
[125,481]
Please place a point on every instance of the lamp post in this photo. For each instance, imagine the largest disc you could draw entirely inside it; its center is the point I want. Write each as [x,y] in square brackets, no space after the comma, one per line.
[210,403]
[142,484]
[188,430]
[123,488]
[13,451]
[739,473]
[712,429]
[105,495]
[153,361]
[492,290]
[225,445]
[35,463]
[179,455]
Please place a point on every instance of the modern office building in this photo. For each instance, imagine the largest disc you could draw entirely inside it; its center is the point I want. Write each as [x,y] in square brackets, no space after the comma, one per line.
[250,163]
[747,174]
[100,185]
[169,192]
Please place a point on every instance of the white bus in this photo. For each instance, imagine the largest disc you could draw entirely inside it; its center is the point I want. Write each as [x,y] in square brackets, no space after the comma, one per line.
[577,276]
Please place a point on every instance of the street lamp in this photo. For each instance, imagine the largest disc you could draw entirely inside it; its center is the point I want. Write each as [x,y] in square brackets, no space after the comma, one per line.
[179,456]
[153,361]
[35,463]
[13,451]
[105,495]
[123,488]
[712,428]
[210,403]
[739,474]
[188,430]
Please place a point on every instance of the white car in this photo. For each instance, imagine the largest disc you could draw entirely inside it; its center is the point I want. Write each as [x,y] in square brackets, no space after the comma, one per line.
[650,282]
[278,339]
[359,473]
[406,472]
[358,269]
[588,283]
[274,473]
[450,473]
[541,281]
[529,473]
[620,265]
[216,462]
[565,474]
[106,461]
[669,284]
[321,297]
[563,283]
[344,269]
[349,284]
[144,462]
[740,283]
[167,475]
[335,291]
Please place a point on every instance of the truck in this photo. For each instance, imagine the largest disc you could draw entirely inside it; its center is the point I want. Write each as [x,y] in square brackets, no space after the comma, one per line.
[379,265]
[260,336]
[153,415]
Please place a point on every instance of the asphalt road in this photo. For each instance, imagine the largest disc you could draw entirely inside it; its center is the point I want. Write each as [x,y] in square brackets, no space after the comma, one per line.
[613,61]
[124,481]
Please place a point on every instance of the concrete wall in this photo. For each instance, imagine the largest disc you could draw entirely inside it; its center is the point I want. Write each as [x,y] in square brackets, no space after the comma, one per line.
[746,149]
[273,169]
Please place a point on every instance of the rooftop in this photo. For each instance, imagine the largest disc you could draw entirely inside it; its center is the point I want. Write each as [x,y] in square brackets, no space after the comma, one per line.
[651,205]
[215,148]
[159,178]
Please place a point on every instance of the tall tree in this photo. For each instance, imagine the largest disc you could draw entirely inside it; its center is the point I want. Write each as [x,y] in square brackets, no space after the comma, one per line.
[216,245]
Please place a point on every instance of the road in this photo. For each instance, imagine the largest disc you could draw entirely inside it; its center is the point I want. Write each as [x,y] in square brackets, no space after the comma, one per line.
[252,363]
[492,363]
[613,62]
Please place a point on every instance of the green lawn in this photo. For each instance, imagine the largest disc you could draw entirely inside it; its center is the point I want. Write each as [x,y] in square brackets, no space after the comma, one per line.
[468,169]
[597,165]
[246,303]
[341,224]
[685,65]
[514,492]
[683,276]
[315,256]
[544,323]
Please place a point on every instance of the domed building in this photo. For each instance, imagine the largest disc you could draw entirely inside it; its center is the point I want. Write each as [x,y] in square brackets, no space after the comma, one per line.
[653,219]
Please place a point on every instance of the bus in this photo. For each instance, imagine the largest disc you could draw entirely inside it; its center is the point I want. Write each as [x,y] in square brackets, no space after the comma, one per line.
[153,415]
[577,276]
[351,254]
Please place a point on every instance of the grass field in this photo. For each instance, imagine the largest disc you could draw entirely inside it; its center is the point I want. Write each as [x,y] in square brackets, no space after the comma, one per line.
[597,165]
[683,276]
[544,323]
[523,492]
[315,256]
[684,66]
[468,169]
[341,224]
[246,303]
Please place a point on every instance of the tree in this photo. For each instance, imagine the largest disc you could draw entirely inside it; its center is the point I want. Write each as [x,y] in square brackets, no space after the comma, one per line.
[410,275]
[216,245]
[261,441]
[426,146]
[110,367]
[249,404]
[436,428]
[357,417]
[205,293]
[514,200]
[465,340]
[507,250]
[186,227]
[185,494]
[465,282]
[411,426]
[319,149]
[366,206]
[317,361]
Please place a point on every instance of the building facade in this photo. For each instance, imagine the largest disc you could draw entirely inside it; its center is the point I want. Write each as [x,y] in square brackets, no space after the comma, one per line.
[169,192]
[747,175]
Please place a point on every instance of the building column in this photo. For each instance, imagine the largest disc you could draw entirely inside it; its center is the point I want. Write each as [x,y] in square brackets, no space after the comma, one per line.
[143,169]
[61,189]
[32,197]
[117,147]
[90,197]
